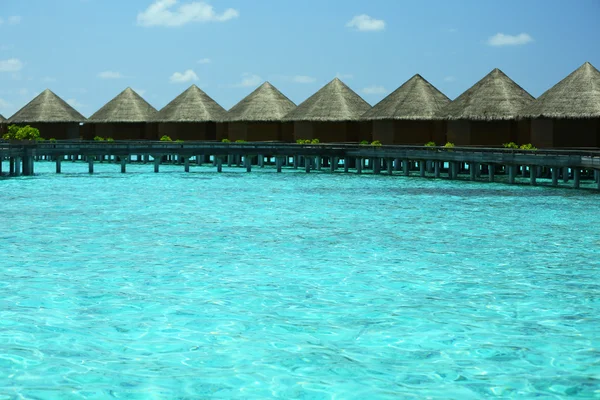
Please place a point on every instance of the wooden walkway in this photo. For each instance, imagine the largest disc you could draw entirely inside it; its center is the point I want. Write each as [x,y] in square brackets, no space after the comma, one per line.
[572,165]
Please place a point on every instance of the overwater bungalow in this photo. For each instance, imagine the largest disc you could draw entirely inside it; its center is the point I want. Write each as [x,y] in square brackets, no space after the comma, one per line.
[51,115]
[3,125]
[409,114]
[258,117]
[192,115]
[333,114]
[126,117]
[488,113]
[568,114]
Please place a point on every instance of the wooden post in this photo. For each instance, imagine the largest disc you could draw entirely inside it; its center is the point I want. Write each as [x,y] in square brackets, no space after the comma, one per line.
[248,163]
[123,165]
[566,174]
[376,165]
[532,175]
[58,164]
[229,160]
[261,161]
[472,172]
[554,176]
[346,163]
[389,166]
[405,167]
[422,168]
[296,162]
[157,163]
[186,164]
[436,168]
[219,164]
[359,165]
[576,177]
[90,160]
[307,162]
[278,162]
[511,173]
[397,163]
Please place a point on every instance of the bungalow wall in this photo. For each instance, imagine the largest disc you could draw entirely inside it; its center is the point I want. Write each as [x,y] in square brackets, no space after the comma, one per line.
[574,133]
[123,131]
[333,132]
[409,132]
[58,131]
[3,128]
[256,131]
[188,130]
[488,133]
[222,131]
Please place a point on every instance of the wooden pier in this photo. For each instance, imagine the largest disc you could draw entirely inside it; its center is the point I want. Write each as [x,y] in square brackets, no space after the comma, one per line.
[471,163]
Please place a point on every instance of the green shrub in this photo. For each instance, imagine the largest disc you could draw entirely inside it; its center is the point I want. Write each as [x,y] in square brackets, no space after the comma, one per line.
[364,142]
[110,139]
[52,140]
[430,144]
[179,141]
[240,141]
[449,144]
[376,143]
[98,139]
[16,132]
[315,141]
[225,141]
[511,145]
[165,138]
[528,146]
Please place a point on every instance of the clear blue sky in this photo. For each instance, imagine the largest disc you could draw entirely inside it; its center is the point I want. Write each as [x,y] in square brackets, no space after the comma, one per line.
[87,51]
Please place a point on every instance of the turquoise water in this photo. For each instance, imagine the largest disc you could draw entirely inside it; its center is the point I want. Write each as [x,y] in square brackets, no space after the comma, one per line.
[318,286]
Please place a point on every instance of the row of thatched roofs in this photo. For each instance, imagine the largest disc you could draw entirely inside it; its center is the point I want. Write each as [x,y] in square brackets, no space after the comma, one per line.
[495,97]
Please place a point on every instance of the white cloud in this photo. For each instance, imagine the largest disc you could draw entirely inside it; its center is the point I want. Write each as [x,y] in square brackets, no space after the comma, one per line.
[450,79]
[249,80]
[303,79]
[5,104]
[110,75]
[374,90]
[365,23]
[187,76]
[74,103]
[344,76]
[164,13]
[14,20]
[11,65]
[204,61]
[500,39]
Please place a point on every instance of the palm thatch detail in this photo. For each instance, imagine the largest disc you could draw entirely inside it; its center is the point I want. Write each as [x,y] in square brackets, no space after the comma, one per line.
[127,107]
[333,102]
[46,107]
[193,105]
[2,119]
[265,104]
[576,96]
[495,97]
[416,99]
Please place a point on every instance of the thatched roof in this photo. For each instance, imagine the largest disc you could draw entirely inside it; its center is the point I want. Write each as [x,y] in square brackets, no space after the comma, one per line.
[576,96]
[416,99]
[128,106]
[333,102]
[495,97]
[46,108]
[193,105]
[2,119]
[265,104]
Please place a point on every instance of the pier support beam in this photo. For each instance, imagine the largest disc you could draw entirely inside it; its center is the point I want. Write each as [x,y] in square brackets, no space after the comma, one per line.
[186,164]
[389,165]
[359,165]
[397,164]
[157,163]
[532,175]
[576,177]
[296,162]
[346,164]
[90,160]
[422,169]
[554,176]
[219,163]
[229,160]
[376,165]
[436,169]
[405,167]
[307,162]
[472,171]
[248,163]
[123,165]
[566,174]
[261,161]
[511,173]
[319,162]
[278,163]
[491,172]
[17,166]
[333,164]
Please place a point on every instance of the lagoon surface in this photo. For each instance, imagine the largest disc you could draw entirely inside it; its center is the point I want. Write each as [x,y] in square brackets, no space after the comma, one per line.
[317,286]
